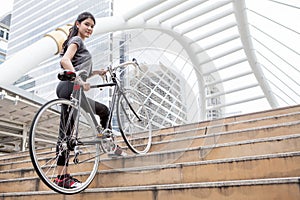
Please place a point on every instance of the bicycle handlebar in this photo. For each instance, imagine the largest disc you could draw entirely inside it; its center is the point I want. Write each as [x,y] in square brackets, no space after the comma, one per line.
[133,62]
[71,75]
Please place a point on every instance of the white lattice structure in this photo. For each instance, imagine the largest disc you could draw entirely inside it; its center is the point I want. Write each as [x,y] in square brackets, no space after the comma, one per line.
[232,53]
[225,48]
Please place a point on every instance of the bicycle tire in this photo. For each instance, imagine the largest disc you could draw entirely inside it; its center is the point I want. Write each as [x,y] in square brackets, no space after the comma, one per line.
[44,139]
[136,130]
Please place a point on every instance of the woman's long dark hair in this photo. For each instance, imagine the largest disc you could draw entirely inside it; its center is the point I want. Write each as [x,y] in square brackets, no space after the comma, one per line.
[74,30]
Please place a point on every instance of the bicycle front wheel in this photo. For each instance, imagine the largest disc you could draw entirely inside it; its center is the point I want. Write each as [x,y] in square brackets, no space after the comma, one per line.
[134,122]
[55,149]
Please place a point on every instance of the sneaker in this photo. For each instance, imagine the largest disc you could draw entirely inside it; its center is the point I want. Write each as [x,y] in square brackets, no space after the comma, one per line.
[68,182]
[117,151]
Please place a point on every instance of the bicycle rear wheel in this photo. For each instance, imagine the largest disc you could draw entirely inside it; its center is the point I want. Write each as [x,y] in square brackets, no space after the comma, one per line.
[52,140]
[134,122]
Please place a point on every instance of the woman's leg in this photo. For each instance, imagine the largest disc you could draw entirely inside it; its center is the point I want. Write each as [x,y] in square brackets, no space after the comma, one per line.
[63,90]
[102,111]
[99,109]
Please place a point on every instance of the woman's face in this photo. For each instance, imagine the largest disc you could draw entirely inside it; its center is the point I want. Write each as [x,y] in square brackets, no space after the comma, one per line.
[85,28]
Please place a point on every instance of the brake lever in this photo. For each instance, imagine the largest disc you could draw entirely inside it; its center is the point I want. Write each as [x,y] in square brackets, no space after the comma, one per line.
[135,61]
[104,78]
[137,72]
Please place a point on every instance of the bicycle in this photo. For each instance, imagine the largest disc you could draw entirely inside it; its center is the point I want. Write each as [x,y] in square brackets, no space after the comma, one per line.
[84,139]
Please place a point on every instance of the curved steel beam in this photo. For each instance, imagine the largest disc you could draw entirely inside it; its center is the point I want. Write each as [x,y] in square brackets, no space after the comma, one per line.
[241,18]
[117,23]
[31,56]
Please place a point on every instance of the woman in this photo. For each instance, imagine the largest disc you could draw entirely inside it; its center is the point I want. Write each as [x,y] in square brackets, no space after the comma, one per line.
[75,56]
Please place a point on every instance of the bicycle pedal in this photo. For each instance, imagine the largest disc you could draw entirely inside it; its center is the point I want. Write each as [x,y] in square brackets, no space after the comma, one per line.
[100,135]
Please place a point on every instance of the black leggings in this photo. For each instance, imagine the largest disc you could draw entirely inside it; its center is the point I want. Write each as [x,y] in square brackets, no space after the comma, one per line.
[64,90]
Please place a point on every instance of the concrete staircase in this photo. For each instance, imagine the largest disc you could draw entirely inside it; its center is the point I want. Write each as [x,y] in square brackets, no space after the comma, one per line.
[253,156]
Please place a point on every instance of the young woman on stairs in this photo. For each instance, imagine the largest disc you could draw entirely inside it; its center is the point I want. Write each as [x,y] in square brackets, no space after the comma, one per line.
[75,56]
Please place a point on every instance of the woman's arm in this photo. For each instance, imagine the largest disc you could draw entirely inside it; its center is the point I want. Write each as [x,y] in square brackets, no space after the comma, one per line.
[68,56]
[67,64]
[100,72]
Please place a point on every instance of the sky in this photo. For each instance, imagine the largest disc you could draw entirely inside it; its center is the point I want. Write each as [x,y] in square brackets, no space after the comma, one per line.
[6,6]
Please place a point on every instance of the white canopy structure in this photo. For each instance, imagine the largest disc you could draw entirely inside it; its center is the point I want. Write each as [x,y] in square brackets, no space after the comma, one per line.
[239,62]
[214,36]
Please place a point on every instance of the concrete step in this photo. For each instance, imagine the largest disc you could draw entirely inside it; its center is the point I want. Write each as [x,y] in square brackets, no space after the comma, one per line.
[200,137]
[259,122]
[273,188]
[264,113]
[250,167]
[239,157]
[253,147]
[207,127]
[229,150]
[248,120]
[203,143]
[193,138]
[224,125]
[18,156]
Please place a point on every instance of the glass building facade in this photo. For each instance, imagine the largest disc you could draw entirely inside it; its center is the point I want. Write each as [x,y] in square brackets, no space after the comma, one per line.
[4,36]
[33,19]
[168,83]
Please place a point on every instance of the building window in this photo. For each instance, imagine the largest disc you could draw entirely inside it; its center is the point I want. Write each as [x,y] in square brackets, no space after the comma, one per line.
[2,33]
[7,36]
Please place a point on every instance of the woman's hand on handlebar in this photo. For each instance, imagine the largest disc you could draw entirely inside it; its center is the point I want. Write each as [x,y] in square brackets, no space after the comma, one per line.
[100,72]
[86,86]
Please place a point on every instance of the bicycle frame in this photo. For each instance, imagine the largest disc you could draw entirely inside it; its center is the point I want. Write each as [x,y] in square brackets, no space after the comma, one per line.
[82,99]
[80,135]
[114,98]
